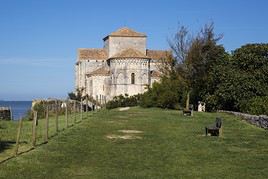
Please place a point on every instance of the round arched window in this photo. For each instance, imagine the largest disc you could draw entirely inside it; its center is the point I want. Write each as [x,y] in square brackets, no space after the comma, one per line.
[132,78]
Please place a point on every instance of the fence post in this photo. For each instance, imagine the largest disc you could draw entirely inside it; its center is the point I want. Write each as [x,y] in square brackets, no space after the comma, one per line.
[57,116]
[46,124]
[75,111]
[66,114]
[34,128]
[18,137]
[11,114]
[87,105]
[81,109]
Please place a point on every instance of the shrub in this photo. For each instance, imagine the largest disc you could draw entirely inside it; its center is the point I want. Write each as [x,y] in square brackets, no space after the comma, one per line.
[257,105]
[123,101]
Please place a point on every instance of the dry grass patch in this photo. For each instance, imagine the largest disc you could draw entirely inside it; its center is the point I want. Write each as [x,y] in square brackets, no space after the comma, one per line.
[130,131]
[123,109]
[125,137]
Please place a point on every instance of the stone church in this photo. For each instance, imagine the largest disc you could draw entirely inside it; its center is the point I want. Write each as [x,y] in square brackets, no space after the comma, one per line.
[123,66]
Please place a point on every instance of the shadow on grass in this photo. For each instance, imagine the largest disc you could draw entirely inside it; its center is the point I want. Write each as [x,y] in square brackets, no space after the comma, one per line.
[4,145]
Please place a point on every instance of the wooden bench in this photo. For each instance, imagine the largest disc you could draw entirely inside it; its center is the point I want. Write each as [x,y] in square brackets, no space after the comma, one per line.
[214,130]
[187,112]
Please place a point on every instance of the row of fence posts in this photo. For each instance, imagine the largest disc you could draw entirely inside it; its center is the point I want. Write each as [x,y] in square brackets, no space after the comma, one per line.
[46,133]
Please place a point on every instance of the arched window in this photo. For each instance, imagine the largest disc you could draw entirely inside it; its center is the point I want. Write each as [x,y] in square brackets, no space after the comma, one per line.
[120,78]
[132,78]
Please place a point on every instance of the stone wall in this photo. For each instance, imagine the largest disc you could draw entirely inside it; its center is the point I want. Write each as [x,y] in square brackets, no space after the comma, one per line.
[5,113]
[121,70]
[84,67]
[260,121]
[119,44]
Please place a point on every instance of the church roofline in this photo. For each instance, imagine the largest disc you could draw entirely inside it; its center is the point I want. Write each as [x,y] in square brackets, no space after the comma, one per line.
[92,53]
[125,32]
[99,72]
[129,53]
[158,54]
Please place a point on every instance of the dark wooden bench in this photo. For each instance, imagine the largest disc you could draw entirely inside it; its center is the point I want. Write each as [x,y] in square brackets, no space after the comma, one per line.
[187,112]
[214,130]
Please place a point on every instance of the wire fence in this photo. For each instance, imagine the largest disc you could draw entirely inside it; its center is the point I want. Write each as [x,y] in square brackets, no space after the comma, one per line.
[20,137]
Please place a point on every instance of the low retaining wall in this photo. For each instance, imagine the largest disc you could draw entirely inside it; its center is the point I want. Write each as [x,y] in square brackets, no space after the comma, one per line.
[5,113]
[260,121]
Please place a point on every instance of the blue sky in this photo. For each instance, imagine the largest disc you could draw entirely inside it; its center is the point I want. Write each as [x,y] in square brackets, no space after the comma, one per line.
[39,38]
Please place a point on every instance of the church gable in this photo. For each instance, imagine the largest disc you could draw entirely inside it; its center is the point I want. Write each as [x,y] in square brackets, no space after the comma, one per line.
[125,32]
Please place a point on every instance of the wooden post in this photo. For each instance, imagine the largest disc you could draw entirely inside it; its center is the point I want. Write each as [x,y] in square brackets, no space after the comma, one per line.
[34,128]
[100,101]
[11,114]
[105,101]
[66,114]
[18,137]
[75,111]
[57,117]
[46,125]
[81,110]
[87,105]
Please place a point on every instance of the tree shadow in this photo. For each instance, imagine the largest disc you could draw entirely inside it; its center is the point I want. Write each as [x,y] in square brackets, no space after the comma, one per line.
[4,145]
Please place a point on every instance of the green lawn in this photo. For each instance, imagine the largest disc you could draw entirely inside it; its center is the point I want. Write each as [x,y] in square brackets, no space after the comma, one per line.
[170,146]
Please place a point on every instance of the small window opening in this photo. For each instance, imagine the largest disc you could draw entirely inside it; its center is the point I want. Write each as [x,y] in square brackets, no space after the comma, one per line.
[132,78]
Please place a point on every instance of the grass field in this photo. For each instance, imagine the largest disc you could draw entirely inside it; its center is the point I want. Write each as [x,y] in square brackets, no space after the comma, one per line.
[147,143]
[8,133]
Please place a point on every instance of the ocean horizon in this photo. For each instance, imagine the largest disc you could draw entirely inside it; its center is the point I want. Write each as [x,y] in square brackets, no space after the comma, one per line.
[19,108]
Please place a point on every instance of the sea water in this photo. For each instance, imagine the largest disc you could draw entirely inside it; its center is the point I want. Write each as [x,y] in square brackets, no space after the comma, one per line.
[19,108]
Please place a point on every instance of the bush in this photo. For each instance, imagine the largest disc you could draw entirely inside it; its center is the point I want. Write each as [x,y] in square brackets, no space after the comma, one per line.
[40,107]
[123,101]
[170,93]
[257,105]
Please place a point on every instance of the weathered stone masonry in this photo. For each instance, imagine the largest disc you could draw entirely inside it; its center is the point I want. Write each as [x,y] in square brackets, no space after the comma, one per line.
[123,66]
[260,121]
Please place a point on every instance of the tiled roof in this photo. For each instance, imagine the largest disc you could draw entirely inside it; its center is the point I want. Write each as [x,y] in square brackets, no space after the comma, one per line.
[158,54]
[125,32]
[89,53]
[130,53]
[100,72]
[155,74]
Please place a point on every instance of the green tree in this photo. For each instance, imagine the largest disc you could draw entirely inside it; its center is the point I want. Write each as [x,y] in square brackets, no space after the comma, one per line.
[243,77]
[76,95]
[195,57]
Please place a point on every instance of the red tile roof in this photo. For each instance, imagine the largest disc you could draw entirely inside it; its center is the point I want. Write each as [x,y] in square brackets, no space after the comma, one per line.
[158,54]
[89,53]
[130,53]
[100,72]
[125,32]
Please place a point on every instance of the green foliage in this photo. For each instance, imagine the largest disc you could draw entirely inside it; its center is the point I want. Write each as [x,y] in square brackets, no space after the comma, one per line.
[244,76]
[40,108]
[211,75]
[75,96]
[257,105]
[169,93]
[123,101]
